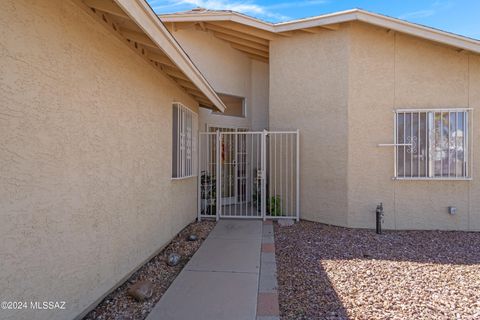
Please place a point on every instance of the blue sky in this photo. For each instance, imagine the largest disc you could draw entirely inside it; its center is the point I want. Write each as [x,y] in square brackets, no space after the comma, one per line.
[457,16]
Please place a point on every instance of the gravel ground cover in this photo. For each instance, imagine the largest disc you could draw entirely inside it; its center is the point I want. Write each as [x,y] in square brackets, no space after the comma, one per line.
[120,306]
[327,272]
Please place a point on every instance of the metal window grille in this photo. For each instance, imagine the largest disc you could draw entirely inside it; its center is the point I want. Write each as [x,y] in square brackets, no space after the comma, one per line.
[433,144]
[185,128]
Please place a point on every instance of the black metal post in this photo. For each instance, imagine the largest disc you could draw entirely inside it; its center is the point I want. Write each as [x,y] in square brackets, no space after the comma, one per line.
[379,216]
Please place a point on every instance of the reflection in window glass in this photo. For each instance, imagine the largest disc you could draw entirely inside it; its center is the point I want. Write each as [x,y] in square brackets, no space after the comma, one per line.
[184,136]
[431,144]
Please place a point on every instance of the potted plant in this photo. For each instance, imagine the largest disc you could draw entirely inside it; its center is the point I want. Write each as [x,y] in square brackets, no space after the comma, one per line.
[274,206]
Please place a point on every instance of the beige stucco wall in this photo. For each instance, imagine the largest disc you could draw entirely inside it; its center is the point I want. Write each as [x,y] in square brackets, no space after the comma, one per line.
[260,76]
[85,158]
[309,91]
[389,71]
[340,89]
[229,72]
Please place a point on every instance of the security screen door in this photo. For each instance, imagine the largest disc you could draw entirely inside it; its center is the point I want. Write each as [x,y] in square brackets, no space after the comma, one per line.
[233,164]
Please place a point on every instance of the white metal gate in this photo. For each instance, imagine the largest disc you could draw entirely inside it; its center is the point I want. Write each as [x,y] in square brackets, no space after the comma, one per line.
[247,174]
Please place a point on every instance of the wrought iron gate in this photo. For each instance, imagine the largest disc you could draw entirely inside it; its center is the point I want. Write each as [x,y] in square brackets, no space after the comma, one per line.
[247,174]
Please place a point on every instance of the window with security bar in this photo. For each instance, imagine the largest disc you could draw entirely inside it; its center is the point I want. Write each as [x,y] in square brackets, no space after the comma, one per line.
[185,127]
[432,144]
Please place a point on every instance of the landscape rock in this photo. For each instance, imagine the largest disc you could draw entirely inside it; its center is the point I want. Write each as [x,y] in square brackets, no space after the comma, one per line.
[119,304]
[192,237]
[286,222]
[173,259]
[328,272]
[141,290]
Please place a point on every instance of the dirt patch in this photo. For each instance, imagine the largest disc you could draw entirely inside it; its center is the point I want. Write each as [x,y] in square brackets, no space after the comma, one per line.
[120,306]
[327,272]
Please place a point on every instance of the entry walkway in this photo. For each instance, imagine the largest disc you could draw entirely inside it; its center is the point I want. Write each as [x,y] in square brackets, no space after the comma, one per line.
[221,281]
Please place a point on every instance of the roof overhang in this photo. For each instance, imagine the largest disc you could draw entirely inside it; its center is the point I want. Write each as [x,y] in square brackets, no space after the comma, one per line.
[134,22]
[402,26]
[328,21]
[219,16]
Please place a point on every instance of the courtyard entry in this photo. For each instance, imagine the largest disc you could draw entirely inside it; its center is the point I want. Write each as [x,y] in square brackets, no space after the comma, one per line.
[248,174]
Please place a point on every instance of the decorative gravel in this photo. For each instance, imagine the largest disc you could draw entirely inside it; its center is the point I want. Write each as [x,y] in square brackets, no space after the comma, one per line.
[120,306]
[327,272]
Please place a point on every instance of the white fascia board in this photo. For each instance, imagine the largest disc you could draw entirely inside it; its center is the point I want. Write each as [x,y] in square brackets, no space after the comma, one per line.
[420,31]
[337,17]
[334,15]
[219,16]
[340,17]
[178,17]
[384,22]
[255,23]
[141,13]
[334,18]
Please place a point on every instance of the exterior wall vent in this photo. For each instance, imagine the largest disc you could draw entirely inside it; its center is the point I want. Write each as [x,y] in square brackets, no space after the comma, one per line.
[452,210]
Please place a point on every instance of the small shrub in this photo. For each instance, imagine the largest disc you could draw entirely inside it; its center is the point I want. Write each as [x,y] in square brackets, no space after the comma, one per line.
[275,206]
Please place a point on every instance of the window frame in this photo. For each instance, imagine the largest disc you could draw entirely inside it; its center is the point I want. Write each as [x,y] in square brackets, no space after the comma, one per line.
[184,167]
[244,107]
[468,143]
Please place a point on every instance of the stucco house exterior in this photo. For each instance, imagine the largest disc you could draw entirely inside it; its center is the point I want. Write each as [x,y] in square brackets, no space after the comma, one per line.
[341,79]
[104,105]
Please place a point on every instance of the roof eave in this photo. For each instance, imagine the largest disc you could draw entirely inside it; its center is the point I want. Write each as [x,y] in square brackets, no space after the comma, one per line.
[219,16]
[419,31]
[318,21]
[406,27]
[146,19]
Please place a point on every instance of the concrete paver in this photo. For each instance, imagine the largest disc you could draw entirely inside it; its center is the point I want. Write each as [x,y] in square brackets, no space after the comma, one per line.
[267,302]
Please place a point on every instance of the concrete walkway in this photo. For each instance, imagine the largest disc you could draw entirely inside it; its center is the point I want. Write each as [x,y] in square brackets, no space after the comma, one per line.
[221,281]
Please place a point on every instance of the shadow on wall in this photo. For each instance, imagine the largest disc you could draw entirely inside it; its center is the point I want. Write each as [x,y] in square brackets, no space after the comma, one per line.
[309,254]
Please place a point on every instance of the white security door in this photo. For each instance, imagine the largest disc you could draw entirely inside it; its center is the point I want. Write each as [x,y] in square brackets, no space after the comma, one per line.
[233,164]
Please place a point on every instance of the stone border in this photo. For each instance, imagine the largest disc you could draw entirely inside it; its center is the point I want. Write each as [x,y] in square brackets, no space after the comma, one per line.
[267,300]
